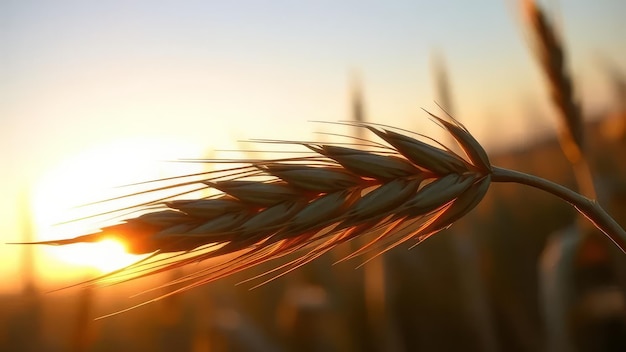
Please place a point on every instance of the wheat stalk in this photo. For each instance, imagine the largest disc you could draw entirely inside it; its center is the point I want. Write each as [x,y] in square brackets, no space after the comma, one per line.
[560,290]
[405,190]
[551,58]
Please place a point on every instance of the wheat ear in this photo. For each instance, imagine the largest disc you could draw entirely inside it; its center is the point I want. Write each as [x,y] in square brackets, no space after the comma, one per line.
[407,189]
[551,58]
[550,55]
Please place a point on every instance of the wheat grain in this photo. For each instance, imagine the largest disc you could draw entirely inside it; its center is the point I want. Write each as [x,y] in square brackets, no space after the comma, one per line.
[406,190]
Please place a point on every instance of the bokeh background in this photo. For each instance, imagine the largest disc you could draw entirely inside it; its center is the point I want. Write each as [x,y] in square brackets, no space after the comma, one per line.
[94,95]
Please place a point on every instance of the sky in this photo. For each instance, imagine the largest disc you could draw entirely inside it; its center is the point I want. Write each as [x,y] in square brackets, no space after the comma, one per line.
[94,94]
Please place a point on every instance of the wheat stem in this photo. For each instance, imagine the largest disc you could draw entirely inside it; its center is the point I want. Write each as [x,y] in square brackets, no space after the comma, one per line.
[590,208]
[310,205]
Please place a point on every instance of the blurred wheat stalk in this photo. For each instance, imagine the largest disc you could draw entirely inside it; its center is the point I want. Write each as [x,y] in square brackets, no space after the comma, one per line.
[549,52]
[559,285]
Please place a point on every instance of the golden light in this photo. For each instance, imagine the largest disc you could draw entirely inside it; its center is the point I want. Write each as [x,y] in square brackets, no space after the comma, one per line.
[104,256]
[93,175]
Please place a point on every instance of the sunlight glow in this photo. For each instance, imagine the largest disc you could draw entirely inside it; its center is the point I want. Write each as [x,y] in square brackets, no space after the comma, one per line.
[105,256]
[95,174]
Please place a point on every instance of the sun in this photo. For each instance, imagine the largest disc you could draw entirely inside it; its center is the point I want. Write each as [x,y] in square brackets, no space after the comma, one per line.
[104,256]
[92,175]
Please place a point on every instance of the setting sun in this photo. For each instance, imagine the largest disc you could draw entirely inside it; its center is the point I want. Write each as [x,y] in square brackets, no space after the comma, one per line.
[92,175]
[104,256]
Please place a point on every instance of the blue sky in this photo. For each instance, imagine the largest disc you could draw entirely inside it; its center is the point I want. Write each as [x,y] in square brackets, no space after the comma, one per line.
[77,75]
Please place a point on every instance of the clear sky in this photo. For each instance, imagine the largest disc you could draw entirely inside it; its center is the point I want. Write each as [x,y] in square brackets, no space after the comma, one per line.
[165,79]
